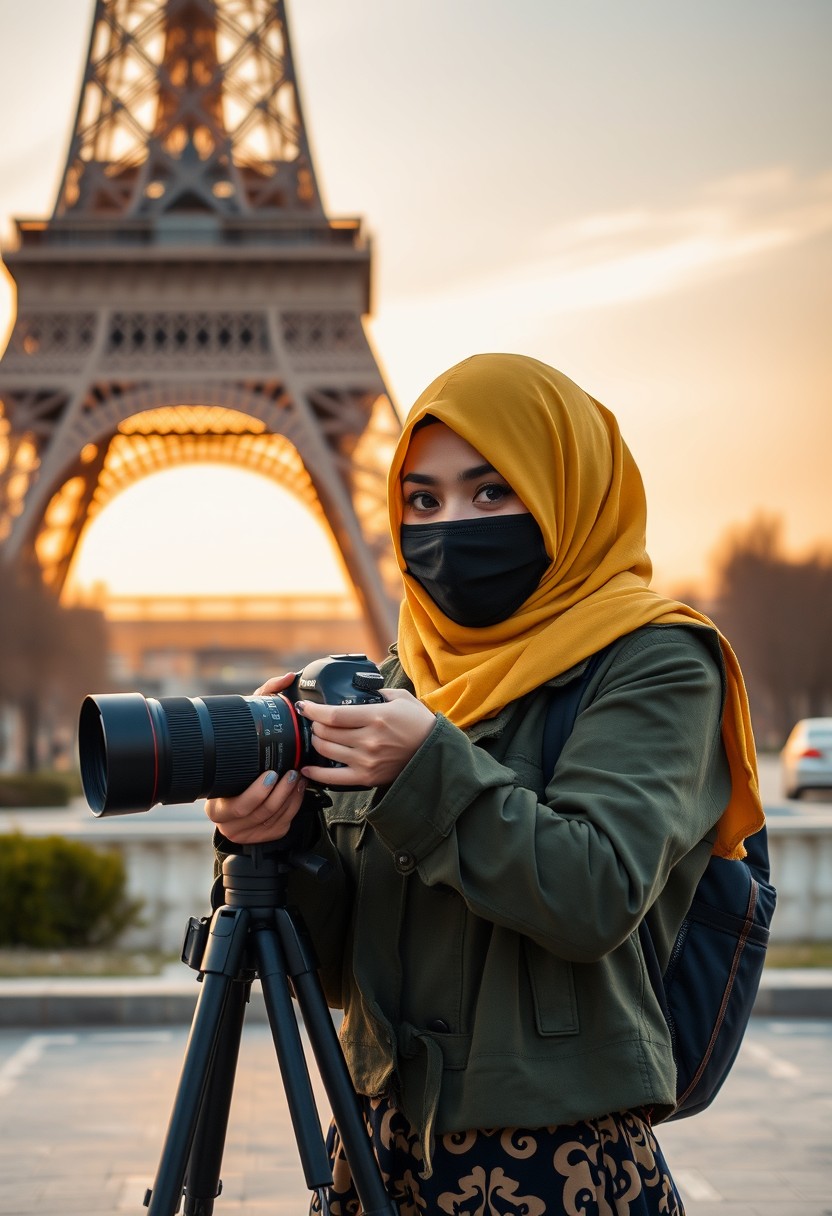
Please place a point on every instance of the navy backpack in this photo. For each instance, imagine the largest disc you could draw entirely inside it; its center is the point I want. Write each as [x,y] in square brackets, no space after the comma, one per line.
[709,986]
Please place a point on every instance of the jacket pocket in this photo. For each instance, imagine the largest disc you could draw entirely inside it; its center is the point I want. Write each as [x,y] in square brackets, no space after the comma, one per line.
[552,984]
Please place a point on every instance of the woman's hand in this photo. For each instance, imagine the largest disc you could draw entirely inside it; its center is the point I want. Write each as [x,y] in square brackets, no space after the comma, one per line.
[266,809]
[373,742]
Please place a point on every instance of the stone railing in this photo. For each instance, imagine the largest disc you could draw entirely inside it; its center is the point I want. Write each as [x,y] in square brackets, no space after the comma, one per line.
[169,860]
[800,848]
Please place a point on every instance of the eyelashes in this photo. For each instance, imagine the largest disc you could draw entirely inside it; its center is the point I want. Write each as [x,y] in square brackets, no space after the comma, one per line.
[415,500]
[492,492]
[495,491]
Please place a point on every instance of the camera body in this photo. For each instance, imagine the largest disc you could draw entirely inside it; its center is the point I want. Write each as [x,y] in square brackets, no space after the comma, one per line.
[137,752]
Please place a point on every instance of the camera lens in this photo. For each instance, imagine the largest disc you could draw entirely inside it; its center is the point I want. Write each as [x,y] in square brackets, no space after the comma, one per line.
[136,752]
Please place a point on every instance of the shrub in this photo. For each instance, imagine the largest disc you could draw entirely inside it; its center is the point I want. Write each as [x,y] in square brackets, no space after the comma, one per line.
[37,789]
[58,894]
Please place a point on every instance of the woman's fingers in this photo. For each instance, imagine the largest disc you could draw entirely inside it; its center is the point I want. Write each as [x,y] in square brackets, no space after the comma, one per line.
[262,812]
[373,742]
[226,810]
[275,684]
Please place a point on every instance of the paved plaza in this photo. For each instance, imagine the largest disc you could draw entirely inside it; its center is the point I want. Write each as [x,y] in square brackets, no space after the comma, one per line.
[84,1114]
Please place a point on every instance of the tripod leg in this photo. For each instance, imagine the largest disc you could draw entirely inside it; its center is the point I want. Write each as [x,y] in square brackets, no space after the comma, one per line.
[222,960]
[302,966]
[303,1110]
[202,1180]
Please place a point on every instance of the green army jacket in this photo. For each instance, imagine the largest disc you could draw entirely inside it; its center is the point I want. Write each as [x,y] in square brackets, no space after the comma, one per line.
[480,926]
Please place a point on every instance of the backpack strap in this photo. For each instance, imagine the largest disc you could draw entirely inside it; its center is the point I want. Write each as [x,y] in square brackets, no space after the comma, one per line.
[562,711]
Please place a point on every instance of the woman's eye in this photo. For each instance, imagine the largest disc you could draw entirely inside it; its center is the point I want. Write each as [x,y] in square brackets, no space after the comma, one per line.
[494,492]
[421,500]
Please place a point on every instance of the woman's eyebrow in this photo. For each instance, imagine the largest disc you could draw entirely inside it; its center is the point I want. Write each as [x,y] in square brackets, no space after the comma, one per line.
[477,471]
[426,479]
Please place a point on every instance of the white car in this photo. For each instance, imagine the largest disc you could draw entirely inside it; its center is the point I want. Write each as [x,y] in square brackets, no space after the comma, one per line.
[806,759]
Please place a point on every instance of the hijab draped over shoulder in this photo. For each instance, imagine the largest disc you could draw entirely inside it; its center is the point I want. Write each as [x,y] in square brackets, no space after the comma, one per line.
[562,453]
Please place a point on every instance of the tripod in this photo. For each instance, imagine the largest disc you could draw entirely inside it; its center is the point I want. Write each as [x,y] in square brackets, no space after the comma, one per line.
[254,934]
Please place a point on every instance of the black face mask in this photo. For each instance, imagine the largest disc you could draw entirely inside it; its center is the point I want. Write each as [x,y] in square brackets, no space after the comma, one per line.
[478,571]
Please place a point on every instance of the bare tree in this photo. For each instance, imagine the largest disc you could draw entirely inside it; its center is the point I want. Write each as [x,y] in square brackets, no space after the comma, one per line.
[49,656]
[777,611]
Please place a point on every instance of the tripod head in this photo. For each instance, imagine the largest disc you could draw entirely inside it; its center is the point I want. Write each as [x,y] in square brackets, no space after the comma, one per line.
[253,871]
[255,878]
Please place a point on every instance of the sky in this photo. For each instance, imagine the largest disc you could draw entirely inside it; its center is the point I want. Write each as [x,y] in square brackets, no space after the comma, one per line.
[639,194]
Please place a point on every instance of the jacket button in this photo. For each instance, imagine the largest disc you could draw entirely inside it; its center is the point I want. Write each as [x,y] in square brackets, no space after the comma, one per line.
[439,1026]
[405,862]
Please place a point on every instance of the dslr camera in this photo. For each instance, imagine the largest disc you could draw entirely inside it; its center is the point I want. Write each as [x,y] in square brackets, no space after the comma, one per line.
[136,752]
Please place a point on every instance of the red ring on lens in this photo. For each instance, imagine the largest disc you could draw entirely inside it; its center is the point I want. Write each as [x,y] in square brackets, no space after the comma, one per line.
[291,707]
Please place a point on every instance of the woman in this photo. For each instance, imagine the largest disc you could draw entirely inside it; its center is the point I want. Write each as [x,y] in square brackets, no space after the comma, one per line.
[480,930]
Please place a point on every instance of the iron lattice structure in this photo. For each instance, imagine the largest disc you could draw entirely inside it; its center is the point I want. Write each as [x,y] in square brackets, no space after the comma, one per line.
[189,300]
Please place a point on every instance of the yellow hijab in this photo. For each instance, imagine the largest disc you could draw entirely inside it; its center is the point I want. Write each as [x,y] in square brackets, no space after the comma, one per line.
[563,453]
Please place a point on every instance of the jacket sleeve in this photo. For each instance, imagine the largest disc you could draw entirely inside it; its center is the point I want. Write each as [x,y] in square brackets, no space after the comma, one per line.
[640,781]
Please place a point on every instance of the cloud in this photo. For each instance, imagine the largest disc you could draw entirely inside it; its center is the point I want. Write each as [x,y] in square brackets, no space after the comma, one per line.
[622,256]
[601,261]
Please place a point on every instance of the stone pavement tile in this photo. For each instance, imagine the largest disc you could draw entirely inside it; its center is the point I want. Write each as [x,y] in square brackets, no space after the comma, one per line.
[698,1203]
[814,1186]
[778,1208]
[692,1208]
[131,1192]
[80,1196]
[276,1205]
[713,1181]
[753,1185]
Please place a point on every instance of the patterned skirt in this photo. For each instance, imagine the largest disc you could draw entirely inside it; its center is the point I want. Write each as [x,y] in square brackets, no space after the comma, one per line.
[611,1166]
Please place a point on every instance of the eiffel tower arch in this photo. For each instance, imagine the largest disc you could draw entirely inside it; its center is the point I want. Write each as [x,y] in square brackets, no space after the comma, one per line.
[189,300]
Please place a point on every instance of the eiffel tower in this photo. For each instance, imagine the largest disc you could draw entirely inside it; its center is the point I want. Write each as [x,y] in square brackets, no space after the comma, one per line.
[189,300]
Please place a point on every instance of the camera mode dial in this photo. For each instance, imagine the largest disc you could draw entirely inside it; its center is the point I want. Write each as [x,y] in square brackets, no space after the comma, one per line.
[368,681]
